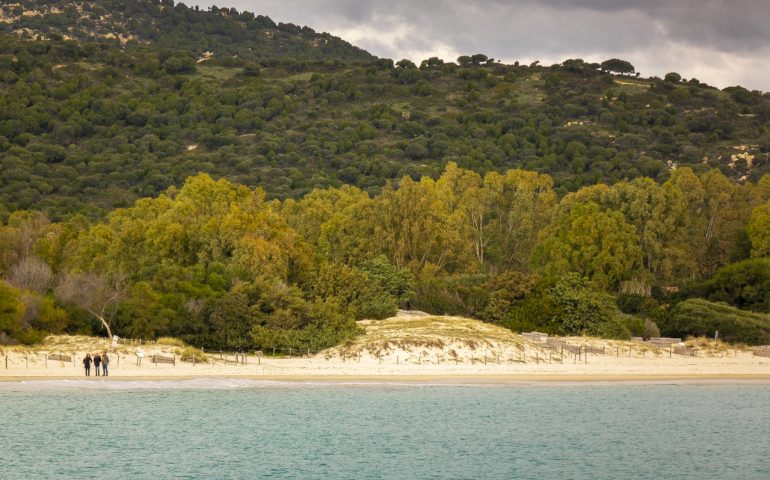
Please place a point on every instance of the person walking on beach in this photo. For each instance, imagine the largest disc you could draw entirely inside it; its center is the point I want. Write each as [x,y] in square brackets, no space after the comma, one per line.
[97,363]
[105,362]
[87,364]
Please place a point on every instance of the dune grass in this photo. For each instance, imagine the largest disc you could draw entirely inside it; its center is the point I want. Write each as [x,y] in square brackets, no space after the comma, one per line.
[170,341]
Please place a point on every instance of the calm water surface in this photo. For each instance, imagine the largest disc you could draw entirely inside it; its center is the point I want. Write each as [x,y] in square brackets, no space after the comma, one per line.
[249,429]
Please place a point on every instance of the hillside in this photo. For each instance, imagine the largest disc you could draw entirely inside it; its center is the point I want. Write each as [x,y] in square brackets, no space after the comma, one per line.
[92,123]
[273,200]
[130,24]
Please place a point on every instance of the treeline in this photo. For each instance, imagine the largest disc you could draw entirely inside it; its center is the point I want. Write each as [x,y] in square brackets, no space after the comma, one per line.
[90,126]
[220,266]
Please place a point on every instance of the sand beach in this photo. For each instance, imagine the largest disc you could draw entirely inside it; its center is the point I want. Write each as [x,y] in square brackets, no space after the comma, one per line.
[409,348]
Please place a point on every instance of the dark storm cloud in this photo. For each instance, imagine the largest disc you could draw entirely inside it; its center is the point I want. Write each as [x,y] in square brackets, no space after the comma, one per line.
[720,42]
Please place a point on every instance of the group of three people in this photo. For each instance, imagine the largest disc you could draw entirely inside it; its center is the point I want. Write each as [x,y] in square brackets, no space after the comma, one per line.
[97,360]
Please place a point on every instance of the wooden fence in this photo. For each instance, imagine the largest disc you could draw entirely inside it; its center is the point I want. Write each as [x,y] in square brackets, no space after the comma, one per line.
[593,350]
[686,351]
[161,359]
[573,349]
[664,341]
[763,351]
[535,336]
[60,357]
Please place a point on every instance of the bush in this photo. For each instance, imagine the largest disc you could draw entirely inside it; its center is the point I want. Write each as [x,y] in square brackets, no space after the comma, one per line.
[633,304]
[462,295]
[697,317]
[613,328]
[187,354]
[174,342]
[314,338]
[537,312]
[744,284]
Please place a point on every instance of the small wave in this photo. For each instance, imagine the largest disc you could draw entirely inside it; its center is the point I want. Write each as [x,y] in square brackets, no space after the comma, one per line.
[225,383]
[164,384]
[218,383]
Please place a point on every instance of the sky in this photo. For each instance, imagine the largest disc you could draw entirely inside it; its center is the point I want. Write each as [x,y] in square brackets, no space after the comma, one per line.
[719,42]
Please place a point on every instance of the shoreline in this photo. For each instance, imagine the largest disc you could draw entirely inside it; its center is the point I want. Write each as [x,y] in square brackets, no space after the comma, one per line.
[433,379]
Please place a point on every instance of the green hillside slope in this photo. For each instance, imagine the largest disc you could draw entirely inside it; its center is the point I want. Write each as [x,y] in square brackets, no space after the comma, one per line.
[89,123]
[225,33]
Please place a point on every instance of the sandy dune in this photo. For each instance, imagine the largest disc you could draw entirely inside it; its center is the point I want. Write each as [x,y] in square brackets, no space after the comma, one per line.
[407,347]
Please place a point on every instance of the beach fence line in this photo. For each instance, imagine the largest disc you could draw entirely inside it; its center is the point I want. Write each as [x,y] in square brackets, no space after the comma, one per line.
[686,351]
[552,350]
[762,351]
[559,346]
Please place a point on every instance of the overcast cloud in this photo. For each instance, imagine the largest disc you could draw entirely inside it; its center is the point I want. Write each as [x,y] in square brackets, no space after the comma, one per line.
[720,42]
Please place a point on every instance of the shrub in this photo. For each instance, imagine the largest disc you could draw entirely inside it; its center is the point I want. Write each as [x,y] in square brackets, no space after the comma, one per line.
[697,317]
[613,327]
[187,354]
[744,284]
[174,342]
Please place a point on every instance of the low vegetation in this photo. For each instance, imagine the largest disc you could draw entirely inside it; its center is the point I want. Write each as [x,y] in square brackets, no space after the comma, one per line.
[698,318]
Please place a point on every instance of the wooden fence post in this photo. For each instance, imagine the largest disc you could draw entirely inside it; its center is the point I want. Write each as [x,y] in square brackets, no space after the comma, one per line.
[46,360]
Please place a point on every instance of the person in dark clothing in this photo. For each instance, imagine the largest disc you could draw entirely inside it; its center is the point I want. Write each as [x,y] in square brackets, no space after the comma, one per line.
[105,363]
[97,363]
[87,364]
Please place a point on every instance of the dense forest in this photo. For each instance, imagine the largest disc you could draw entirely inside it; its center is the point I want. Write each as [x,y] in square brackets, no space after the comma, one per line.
[239,184]
[87,125]
[219,265]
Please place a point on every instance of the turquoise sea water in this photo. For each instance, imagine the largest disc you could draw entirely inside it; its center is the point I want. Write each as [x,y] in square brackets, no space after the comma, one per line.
[251,429]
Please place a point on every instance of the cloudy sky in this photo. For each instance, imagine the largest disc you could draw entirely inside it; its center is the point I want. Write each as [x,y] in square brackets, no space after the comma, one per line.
[720,42]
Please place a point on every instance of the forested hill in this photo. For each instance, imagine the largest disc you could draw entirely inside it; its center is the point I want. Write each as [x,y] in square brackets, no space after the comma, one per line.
[90,123]
[225,33]
[571,199]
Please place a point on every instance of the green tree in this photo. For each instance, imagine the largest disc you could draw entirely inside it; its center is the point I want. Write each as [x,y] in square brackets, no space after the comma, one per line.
[758,230]
[596,244]
[11,312]
[615,65]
